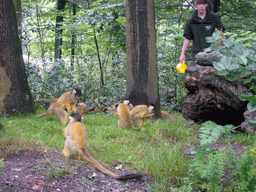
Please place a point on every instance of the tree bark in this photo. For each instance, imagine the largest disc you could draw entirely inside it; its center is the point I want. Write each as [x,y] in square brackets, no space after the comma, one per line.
[18,9]
[142,78]
[216,6]
[73,40]
[58,30]
[15,95]
[212,97]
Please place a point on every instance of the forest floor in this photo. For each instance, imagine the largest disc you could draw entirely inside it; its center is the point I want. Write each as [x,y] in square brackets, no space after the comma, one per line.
[27,171]
[48,171]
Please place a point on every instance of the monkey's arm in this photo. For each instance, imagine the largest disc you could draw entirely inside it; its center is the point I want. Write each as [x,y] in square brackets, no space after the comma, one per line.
[73,106]
[65,132]
[68,107]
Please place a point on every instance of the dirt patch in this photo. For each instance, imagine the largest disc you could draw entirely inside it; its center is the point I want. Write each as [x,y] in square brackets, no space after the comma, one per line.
[49,171]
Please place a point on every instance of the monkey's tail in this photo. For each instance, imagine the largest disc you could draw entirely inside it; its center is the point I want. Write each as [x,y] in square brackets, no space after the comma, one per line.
[48,100]
[147,116]
[89,158]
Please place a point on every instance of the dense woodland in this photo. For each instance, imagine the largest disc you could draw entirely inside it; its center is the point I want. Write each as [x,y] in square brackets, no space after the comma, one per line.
[93,49]
[82,43]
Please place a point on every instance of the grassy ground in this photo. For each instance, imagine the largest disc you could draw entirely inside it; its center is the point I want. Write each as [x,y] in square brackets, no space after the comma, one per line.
[160,148]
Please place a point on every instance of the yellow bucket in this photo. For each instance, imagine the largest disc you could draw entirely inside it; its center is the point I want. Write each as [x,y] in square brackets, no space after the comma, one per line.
[181,67]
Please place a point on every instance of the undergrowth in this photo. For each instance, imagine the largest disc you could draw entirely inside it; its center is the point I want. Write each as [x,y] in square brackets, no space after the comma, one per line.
[160,149]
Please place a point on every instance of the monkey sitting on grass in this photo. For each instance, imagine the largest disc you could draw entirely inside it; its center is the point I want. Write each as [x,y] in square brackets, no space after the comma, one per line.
[77,141]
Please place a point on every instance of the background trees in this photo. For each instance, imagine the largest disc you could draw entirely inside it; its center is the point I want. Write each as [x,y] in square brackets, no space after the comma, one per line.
[99,65]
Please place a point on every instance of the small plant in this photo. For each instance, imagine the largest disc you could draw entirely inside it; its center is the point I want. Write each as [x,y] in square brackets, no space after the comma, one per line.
[1,165]
[210,132]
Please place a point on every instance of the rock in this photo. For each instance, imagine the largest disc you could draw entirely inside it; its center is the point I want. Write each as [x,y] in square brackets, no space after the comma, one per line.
[244,125]
[207,56]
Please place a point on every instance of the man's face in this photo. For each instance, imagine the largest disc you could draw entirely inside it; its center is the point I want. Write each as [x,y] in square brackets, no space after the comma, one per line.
[201,7]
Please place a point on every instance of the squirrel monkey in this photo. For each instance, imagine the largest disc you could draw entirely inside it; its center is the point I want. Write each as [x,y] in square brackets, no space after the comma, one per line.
[165,115]
[220,42]
[140,112]
[77,141]
[49,111]
[82,108]
[123,111]
[67,100]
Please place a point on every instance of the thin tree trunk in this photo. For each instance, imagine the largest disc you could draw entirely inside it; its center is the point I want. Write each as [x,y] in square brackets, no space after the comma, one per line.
[100,65]
[58,30]
[73,41]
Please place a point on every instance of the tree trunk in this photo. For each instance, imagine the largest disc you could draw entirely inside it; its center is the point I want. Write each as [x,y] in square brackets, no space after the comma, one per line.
[18,9]
[216,6]
[73,40]
[58,30]
[15,95]
[141,79]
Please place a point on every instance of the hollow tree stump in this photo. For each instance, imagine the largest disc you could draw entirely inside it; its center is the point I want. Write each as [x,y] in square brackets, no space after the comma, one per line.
[212,97]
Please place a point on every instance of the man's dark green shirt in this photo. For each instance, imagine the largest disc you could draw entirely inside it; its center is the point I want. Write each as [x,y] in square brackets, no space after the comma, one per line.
[197,29]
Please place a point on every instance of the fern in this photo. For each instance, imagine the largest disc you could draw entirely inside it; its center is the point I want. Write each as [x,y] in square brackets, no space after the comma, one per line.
[210,132]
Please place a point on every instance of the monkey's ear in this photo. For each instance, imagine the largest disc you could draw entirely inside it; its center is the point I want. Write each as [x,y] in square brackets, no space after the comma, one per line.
[126,102]
[74,92]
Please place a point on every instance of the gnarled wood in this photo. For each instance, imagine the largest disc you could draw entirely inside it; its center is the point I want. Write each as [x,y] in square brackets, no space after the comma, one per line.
[212,97]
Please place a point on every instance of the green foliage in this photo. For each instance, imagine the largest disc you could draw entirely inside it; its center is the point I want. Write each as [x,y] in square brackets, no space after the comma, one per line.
[209,165]
[238,61]
[1,165]
[210,132]
[158,148]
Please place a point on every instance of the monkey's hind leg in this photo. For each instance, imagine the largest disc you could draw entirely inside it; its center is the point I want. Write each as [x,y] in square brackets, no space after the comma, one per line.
[62,114]
[45,114]
[66,151]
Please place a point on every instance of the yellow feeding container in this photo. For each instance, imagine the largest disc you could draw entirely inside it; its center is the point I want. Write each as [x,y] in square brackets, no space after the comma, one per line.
[181,67]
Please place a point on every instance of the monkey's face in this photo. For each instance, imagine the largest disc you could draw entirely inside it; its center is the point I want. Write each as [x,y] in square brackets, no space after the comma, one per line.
[71,119]
[151,109]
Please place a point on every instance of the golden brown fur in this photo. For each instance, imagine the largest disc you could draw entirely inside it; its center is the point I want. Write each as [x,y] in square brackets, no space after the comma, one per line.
[165,115]
[222,36]
[123,111]
[77,141]
[49,111]
[140,112]
[67,100]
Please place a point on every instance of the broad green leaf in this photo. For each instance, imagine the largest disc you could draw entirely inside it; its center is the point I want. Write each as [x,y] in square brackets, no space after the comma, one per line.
[253,100]
[218,65]
[253,87]
[229,42]
[246,96]
[243,59]
[251,122]
[215,47]
[223,73]
[251,107]
[247,81]
[231,77]
[226,52]
[240,46]
[210,40]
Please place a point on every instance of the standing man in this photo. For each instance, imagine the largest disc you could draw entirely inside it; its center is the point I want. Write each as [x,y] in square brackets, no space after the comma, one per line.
[201,25]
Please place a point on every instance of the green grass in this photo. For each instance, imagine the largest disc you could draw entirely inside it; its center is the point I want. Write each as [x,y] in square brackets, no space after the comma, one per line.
[158,149]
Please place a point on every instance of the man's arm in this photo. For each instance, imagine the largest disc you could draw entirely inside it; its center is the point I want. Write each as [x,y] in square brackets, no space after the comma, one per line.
[185,45]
